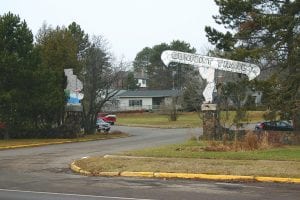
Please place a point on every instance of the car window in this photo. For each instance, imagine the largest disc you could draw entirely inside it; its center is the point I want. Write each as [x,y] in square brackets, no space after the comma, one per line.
[283,124]
[278,123]
[270,123]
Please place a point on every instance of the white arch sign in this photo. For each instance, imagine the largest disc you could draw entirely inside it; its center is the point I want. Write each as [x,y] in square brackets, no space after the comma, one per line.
[207,66]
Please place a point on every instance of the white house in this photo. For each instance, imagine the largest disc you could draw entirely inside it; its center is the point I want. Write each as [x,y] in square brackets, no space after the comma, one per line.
[145,99]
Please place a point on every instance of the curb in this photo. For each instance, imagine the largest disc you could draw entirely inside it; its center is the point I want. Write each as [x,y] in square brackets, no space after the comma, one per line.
[138,174]
[79,170]
[52,143]
[165,175]
[33,145]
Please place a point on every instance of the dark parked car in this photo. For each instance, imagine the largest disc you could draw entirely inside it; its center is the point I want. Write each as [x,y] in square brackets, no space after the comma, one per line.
[274,126]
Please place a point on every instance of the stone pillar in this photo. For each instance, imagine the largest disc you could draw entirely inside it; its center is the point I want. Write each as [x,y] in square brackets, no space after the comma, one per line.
[73,121]
[210,122]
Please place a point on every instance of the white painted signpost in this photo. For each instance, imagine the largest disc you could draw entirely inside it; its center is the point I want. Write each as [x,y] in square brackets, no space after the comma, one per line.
[207,66]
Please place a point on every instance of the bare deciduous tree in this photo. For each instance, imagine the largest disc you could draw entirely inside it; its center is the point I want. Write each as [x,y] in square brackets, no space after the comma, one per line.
[98,76]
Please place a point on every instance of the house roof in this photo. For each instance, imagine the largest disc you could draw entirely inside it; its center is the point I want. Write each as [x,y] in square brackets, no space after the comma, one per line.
[150,93]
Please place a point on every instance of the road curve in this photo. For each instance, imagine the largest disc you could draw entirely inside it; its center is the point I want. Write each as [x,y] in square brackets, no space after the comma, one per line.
[43,173]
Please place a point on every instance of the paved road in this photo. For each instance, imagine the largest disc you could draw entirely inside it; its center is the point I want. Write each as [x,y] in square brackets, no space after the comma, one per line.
[43,173]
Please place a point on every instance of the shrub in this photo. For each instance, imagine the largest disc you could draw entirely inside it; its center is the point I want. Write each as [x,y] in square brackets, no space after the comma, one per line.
[217,146]
[251,141]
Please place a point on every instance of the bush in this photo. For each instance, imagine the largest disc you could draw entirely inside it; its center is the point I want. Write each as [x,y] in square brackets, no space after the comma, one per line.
[230,134]
[251,141]
[217,146]
[254,141]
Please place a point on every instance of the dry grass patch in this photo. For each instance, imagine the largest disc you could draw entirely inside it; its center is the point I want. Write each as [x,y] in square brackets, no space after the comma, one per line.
[194,157]
[188,165]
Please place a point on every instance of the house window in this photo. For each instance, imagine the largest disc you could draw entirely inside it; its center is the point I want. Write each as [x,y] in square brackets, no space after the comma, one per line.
[135,102]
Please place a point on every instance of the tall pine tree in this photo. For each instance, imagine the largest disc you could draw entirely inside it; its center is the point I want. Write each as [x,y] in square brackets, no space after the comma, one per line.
[266,33]
[159,76]
[16,47]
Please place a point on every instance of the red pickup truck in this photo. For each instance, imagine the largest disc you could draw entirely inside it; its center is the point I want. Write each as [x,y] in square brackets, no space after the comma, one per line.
[109,118]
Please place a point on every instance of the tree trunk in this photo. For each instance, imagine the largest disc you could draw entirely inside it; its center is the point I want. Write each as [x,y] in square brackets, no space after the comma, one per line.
[90,123]
[296,122]
[6,135]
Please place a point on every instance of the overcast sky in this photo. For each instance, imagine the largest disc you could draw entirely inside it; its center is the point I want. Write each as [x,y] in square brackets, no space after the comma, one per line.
[128,25]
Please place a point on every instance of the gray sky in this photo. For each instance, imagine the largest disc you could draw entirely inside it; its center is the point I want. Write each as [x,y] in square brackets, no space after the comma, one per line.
[128,25]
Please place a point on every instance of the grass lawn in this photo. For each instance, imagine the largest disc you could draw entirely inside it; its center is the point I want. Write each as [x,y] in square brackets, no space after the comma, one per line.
[4,144]
[158,120]
[185,119]
[194,149]
[191,158]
